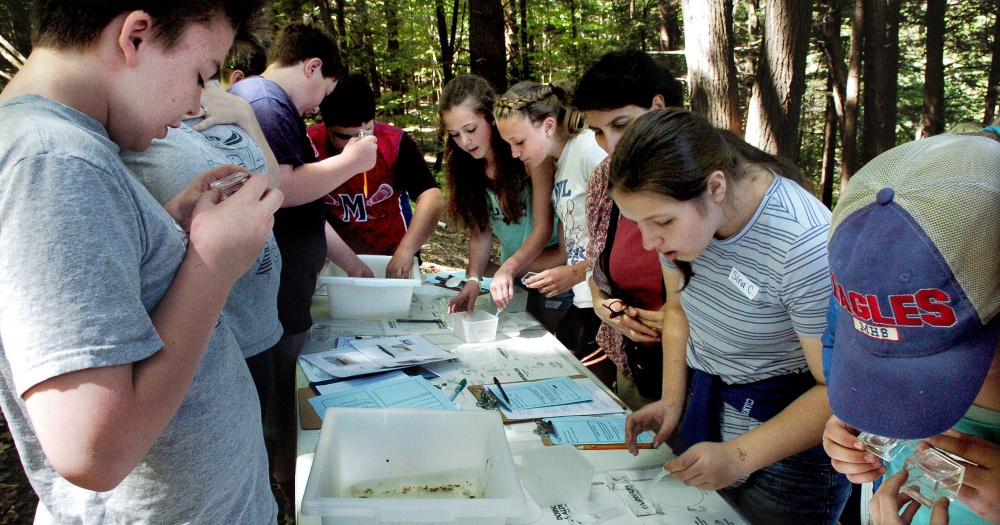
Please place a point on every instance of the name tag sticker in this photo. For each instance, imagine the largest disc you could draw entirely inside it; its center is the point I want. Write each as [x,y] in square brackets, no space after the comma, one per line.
[748,288]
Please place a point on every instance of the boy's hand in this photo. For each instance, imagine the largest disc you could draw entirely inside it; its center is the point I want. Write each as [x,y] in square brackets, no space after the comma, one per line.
[891,507]
[221,107]
[227,236]
[361,153]
[847,453]
[182,206]
[399,266]
[980,490]
[555,281]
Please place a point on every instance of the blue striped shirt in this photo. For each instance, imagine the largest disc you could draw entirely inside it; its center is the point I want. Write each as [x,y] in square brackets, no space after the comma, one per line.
[753,293]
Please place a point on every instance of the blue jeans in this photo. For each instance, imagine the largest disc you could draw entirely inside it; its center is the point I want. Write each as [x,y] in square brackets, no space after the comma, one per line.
[803,489]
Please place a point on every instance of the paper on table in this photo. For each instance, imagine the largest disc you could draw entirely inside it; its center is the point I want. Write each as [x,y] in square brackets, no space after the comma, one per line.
[587,430]
[410,392]
[517,321]
[416,326]
[544,393]
[329,388]
[601,404]
[365,357]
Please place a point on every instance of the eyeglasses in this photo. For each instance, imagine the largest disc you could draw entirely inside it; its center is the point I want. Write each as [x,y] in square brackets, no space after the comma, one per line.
[616,307]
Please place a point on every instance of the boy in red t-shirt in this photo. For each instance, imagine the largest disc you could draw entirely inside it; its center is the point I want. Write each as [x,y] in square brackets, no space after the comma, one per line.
[371,212]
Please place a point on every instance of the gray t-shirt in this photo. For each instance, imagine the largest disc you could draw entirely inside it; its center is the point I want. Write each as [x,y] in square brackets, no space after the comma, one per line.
[88,255]
[167,167]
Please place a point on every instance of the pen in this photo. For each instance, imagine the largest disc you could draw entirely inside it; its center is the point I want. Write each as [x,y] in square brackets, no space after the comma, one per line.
[612,446]
[497,383]
[458,389]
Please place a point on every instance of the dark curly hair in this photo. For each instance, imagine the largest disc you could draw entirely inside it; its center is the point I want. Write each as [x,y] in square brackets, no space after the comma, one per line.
[466,176]
[626,77]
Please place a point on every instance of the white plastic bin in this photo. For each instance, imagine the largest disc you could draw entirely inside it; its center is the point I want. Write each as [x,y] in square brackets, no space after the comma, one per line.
[399,456]
[371,299]
[477,327]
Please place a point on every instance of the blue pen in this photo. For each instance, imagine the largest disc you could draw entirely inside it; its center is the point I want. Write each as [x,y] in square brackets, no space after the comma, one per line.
[458,389]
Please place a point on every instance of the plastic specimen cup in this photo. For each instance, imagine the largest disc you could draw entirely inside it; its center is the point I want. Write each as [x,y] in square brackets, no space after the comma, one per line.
[932,476]
[231,184]
[883,447]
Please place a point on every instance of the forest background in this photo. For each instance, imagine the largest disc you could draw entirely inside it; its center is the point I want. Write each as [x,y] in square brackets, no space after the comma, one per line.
[827,83]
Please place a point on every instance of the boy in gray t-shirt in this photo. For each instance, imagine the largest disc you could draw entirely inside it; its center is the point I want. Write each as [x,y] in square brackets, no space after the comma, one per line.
[126,395]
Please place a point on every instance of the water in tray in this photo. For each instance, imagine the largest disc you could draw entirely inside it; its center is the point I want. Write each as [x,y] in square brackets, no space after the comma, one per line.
[455,484]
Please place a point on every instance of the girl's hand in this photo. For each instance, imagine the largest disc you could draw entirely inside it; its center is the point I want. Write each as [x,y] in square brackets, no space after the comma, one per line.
[980,490]
[847,453]
[502,287]
[892,507]
[708,466]
[650,318]
[465,301]
[616,314]
[555,281]
[661,417]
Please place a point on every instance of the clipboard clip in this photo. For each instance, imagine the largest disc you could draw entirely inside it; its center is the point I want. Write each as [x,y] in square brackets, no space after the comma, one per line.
[544,428]
[488,400]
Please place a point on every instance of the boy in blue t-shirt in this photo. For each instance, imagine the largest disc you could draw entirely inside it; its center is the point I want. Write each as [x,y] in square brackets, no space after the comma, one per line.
[124,388]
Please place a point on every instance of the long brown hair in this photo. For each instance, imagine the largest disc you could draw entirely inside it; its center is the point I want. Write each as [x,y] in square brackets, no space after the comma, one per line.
[536,102]
[466,176]
[672,152]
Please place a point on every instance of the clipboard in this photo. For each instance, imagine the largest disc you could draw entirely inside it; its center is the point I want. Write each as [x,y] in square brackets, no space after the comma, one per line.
[479,391]
[545,431]
[308,418]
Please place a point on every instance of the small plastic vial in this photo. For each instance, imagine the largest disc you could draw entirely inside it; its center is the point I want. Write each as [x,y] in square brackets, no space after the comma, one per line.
[231,184]
[362,133]
[932,476]
[883,447]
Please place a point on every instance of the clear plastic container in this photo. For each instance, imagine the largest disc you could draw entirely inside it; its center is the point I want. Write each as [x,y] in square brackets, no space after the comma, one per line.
[231,184]
[478,327]
[932,476]
[373,466]
[370,298]
[556,474]
[883,447]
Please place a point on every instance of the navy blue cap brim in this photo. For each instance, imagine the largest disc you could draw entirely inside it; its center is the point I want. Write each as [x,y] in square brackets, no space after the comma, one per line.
[907,397]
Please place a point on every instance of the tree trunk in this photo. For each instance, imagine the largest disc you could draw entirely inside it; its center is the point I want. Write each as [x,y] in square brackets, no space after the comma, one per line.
[394,79]
[773,113]
[849,151]
[881,72]
[341,20]
[833,51]
[670,27]
[932,115]
[324,11]
[447,51]
[708,42]
[525,54]
[829,145]
[487,49]
[993,84]
[366,50]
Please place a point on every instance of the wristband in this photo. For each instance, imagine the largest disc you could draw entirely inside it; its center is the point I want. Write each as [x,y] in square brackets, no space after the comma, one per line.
[992,129]
[474,279]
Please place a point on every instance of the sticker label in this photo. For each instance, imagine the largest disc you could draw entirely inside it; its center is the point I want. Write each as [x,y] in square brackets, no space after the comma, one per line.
[886,333]
[748,288]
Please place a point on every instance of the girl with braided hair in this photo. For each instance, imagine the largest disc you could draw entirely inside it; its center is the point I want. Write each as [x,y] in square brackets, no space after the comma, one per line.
[541,126]
[492,193]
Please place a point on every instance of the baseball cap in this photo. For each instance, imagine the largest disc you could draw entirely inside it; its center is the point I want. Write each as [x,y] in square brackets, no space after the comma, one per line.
[915,259]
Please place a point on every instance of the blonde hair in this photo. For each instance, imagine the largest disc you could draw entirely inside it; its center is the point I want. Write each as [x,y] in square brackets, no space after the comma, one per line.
[537,102]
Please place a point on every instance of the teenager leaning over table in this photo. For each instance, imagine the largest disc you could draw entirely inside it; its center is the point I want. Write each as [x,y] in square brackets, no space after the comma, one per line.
[492,193]
[911,347]
[126,392]
[540,126]
[613,92]
[743,248]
